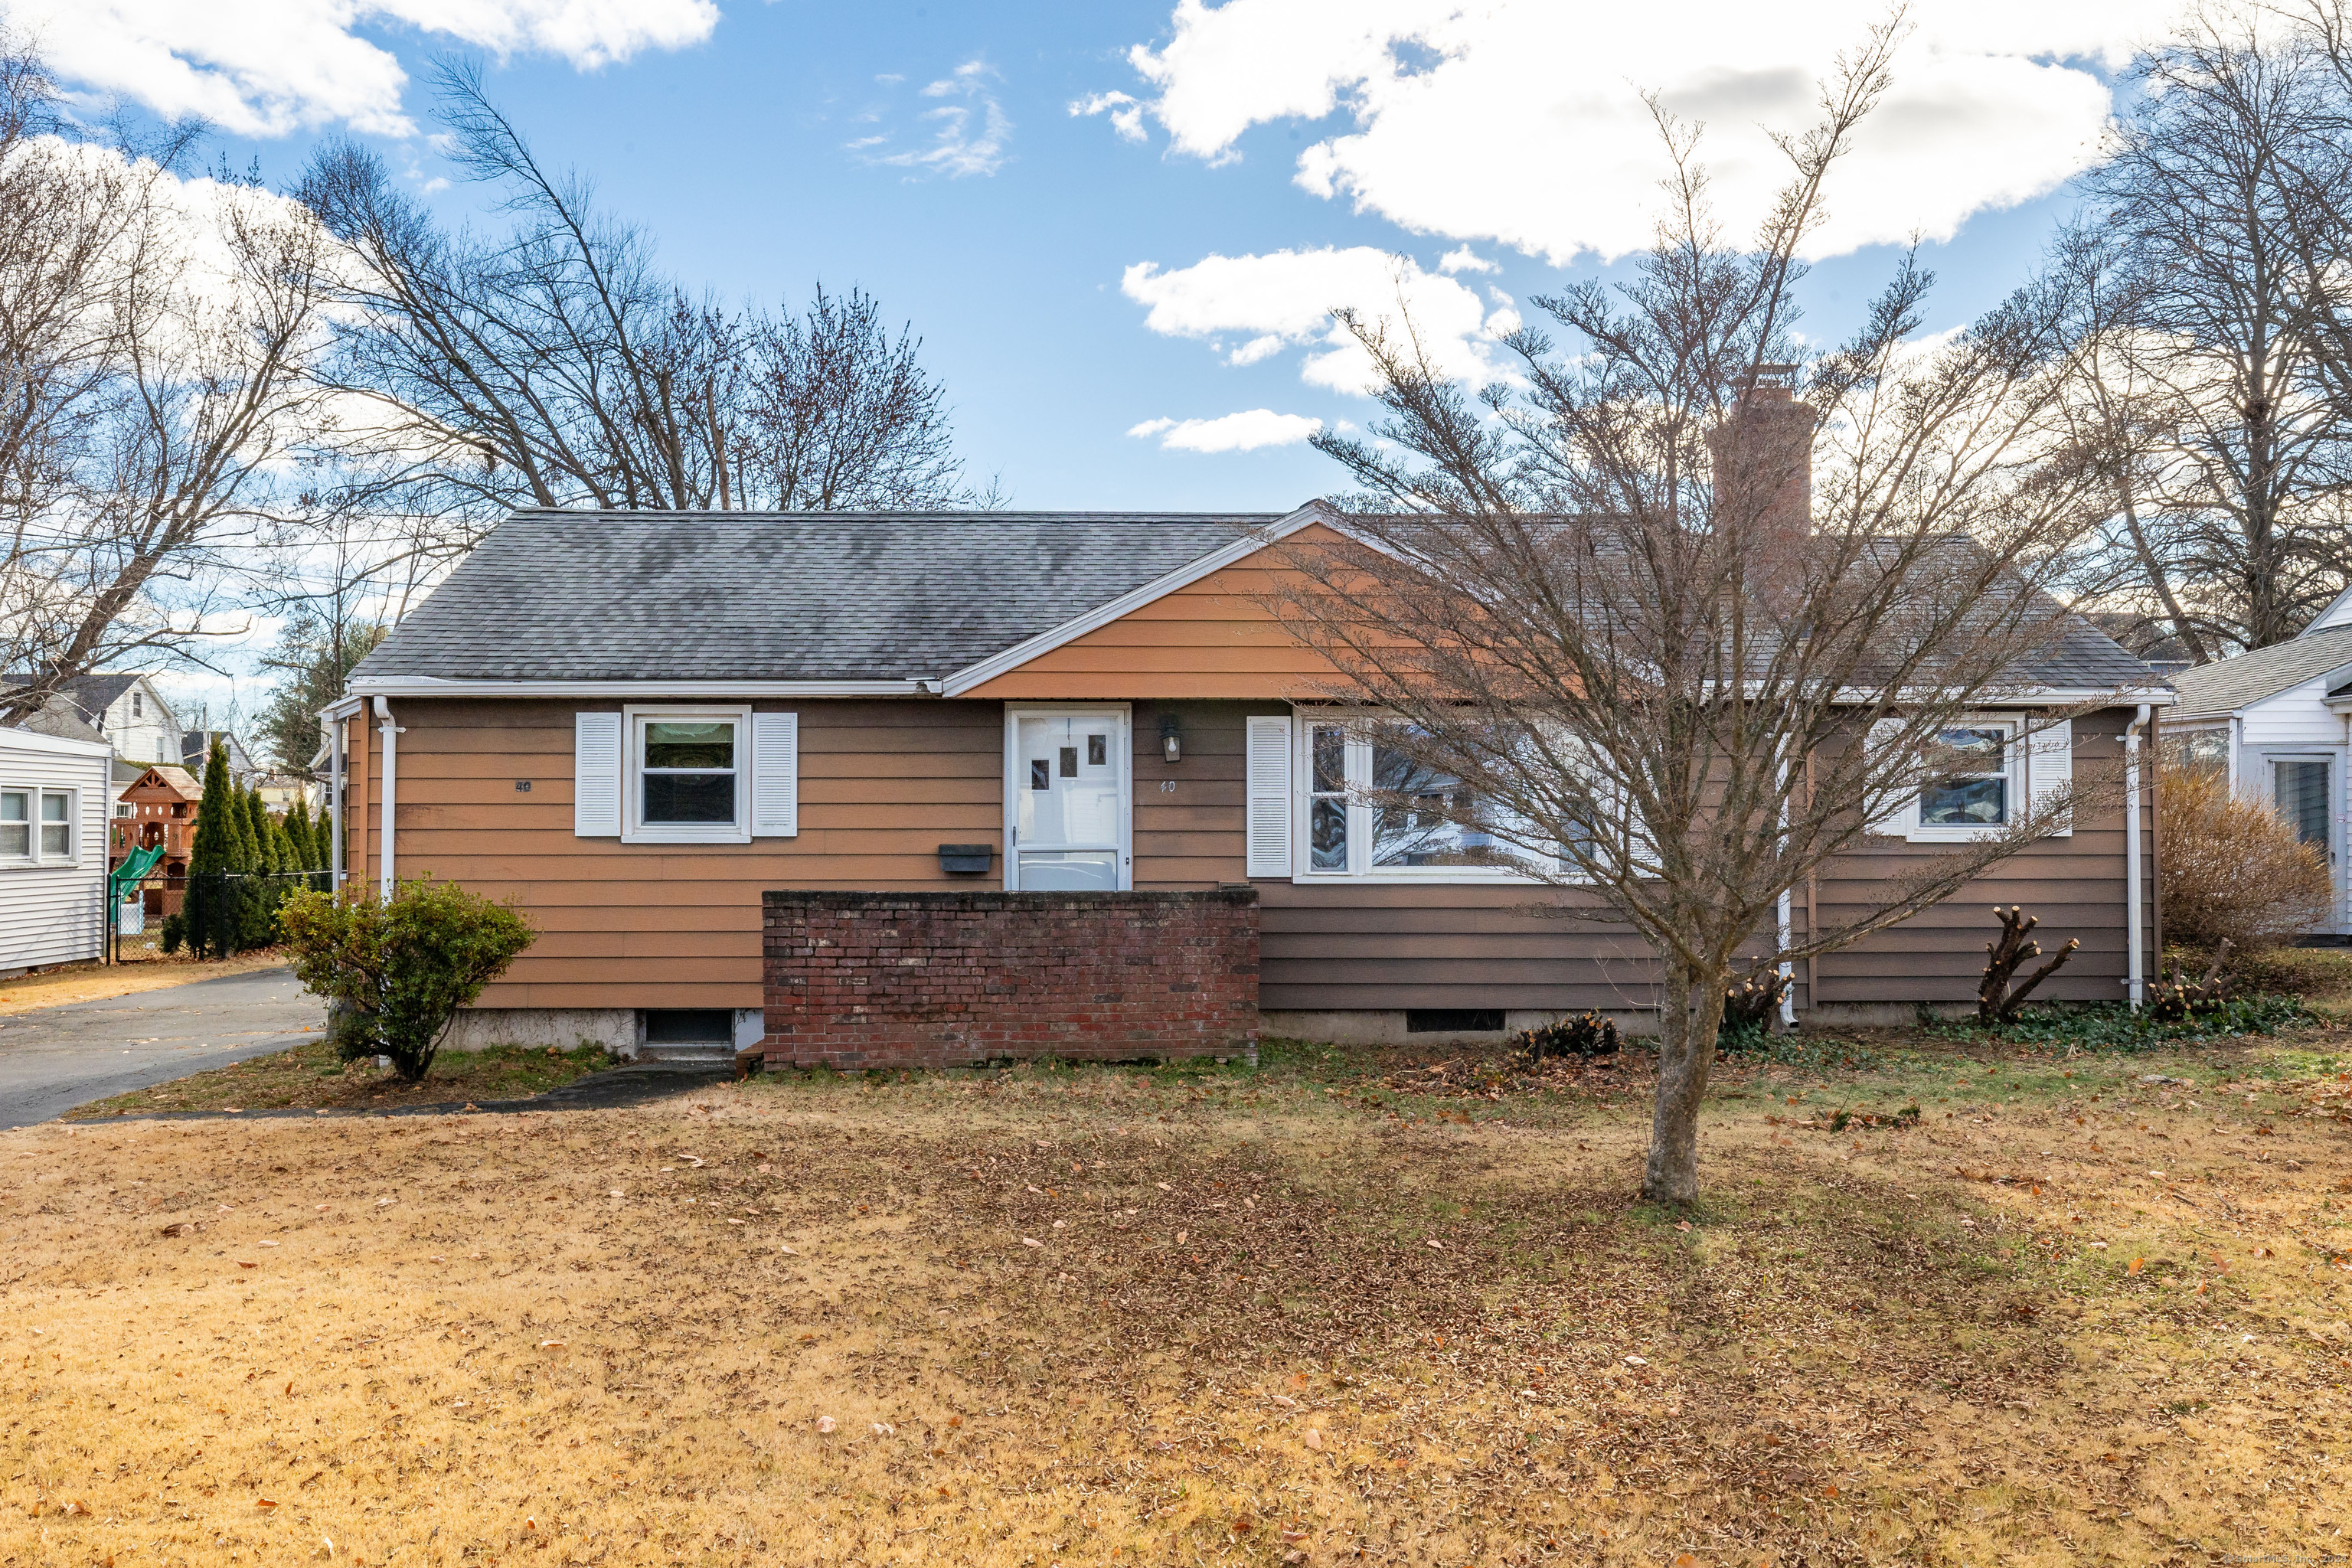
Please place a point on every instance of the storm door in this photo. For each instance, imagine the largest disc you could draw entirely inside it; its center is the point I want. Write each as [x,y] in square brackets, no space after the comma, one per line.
[1067,800]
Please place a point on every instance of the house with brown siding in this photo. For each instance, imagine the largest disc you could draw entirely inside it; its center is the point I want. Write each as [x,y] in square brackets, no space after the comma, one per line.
[655,731]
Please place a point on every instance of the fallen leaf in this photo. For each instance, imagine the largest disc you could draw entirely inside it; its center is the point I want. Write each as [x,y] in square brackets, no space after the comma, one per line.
[825,1423]
[1313,1440]
[1635,1360]
[1030,1241]
[2133,1268]
[242,1264]
[551,1344]
[883,1429]
[265,1502]
[1285,1401]
[265,1244]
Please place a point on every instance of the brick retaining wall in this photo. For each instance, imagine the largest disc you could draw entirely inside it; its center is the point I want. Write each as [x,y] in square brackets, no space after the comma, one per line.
[871,980]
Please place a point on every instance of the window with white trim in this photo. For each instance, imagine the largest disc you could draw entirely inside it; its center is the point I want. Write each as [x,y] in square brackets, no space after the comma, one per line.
[1981,791]
[688,777]
[1371,809]
[15,825]
[40,826]
[58,836]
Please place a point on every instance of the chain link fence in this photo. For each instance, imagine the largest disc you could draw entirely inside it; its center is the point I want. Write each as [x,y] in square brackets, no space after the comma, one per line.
[213,912]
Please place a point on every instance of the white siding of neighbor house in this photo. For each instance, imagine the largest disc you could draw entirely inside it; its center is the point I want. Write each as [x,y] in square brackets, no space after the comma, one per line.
[151,736]
[2299,720]
[56,913]
[2295,717]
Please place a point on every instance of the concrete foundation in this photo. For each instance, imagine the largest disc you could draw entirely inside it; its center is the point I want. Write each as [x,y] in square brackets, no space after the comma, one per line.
[1370,1027]
[566,1028]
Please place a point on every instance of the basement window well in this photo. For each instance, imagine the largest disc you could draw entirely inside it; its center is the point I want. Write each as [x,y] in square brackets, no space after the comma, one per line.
[690,1026]
[1453,1020]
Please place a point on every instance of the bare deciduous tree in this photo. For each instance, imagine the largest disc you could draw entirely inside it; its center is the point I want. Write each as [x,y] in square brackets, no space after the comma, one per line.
[2224,361]
[556,366]
[154,343]
[1642,663]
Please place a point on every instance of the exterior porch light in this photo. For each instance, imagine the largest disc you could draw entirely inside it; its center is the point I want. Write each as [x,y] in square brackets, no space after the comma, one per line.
[1172,738]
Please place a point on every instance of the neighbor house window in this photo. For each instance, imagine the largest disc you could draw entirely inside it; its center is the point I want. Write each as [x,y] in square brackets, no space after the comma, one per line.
[1372,809]
[15,825]
[57,825]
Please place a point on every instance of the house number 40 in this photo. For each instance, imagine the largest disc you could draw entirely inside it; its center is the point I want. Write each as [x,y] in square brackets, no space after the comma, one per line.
[1167,786]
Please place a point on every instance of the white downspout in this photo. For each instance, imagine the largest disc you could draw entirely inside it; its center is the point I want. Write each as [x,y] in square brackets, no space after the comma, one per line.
[334,738]
[1788,969]
[387,795]
[2133,919]
[2237,742]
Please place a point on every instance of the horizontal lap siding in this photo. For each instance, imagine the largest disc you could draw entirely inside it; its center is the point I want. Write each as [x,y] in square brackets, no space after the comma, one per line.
[1211,639]
[1341,947]
[1192,838]
[56,914]
[2074,885]
[883,785]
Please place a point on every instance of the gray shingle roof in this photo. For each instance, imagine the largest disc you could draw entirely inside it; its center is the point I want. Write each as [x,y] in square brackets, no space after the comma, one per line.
[687,596]
[2217,689]
[565,596]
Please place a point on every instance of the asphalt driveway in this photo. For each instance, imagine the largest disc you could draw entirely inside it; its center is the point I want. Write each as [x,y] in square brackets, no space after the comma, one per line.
[58,1058]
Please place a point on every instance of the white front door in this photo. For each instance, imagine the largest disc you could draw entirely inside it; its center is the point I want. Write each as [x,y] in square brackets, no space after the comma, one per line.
[1066,799]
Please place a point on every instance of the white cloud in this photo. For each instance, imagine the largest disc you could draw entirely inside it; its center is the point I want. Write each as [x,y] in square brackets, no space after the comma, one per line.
[268,68]
[1465,260]
[1285,299]
[1521,121]
[968,137]
[1245,432]
[1126,113]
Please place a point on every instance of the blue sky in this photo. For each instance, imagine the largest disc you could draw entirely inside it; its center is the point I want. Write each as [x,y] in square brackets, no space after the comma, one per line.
[758,142]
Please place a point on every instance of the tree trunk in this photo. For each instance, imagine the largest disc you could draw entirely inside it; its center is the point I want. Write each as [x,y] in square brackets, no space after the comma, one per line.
[1691,1011]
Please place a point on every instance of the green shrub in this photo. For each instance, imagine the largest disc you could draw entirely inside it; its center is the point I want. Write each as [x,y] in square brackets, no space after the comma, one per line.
[394,974]
[175,933]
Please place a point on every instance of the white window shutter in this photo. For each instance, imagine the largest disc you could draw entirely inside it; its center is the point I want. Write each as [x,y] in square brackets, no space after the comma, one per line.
[2050,771]
[1888,815]
[596,775]
[1269,794]
[775,775]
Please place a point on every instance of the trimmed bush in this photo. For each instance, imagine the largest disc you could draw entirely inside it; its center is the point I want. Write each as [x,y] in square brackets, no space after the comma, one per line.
[2232,869]
[393,975]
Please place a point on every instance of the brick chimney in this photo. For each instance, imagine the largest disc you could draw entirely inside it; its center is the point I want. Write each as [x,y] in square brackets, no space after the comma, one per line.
[1764,459]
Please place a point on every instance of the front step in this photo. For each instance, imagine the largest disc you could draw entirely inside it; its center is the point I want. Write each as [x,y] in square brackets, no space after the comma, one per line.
[688,1053]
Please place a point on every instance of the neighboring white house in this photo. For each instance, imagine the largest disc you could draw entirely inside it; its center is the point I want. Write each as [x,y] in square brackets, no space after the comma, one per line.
[53,802]
[124,707]
[2278,721]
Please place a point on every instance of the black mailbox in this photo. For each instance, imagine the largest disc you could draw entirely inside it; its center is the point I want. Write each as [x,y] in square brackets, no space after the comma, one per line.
[967,860]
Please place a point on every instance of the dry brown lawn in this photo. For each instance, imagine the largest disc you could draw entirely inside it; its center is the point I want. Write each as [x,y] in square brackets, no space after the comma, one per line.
[310,1076]
[95,982]
[1116,1316]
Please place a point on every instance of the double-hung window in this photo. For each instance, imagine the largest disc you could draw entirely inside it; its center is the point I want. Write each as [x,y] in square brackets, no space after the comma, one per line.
[1987,774]
[1976,794]
[1372,809]
[38,826]
[57,825]
[687,773]
[15,825]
